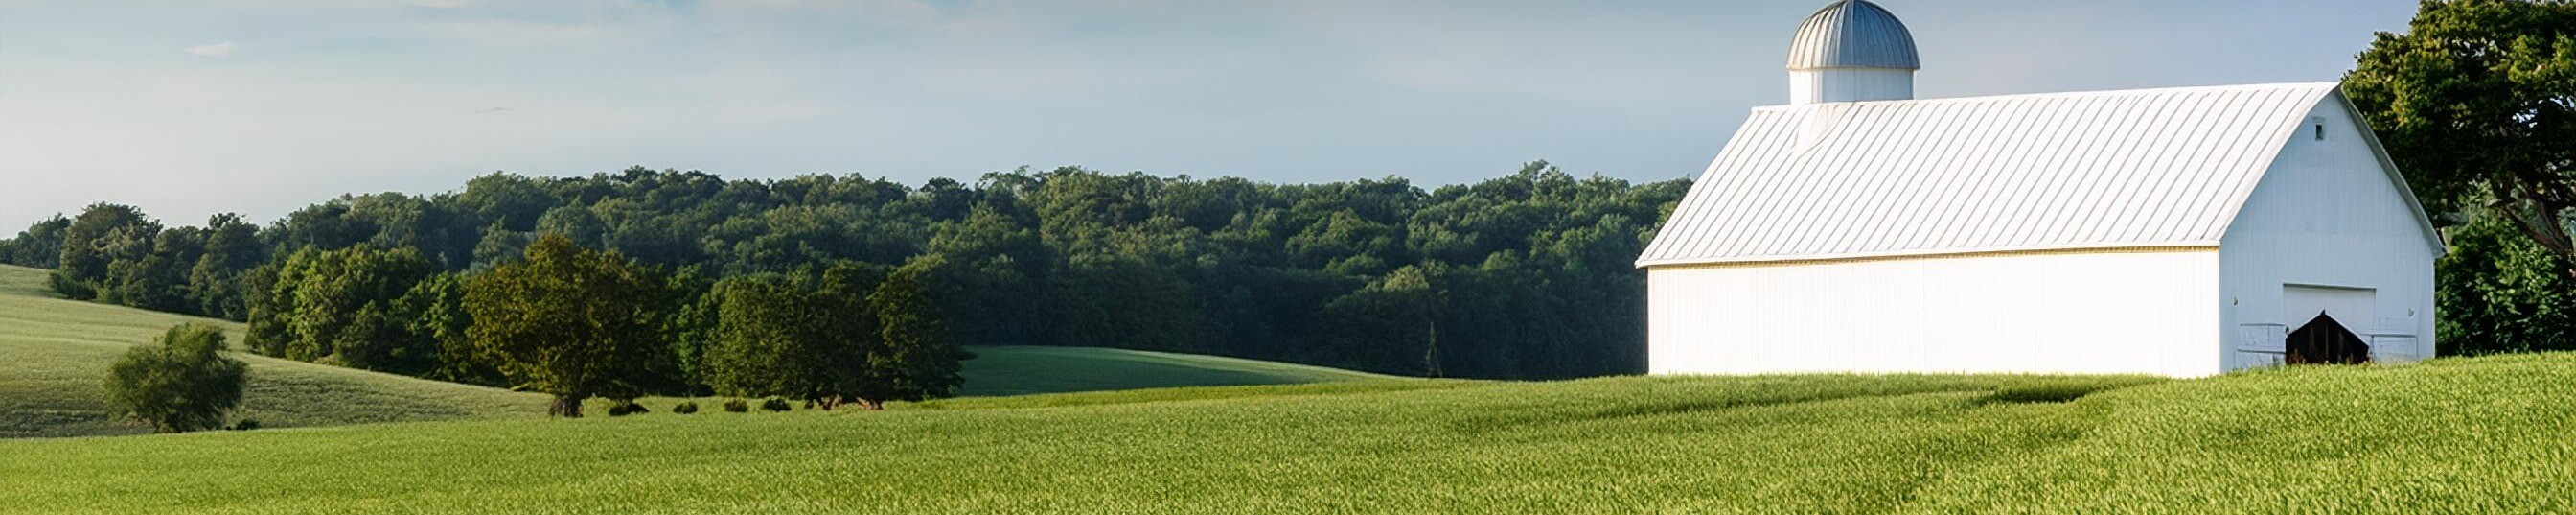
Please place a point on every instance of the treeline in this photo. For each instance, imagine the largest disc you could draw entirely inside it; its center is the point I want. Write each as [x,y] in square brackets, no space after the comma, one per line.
[1523,276]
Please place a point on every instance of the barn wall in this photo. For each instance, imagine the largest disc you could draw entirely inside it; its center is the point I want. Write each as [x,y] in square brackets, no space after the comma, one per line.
[2327,230]
[2135,312]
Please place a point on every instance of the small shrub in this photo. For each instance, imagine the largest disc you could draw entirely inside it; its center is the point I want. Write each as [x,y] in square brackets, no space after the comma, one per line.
[736,406]
[180,382]
[245,424]
[625,407]
[775,404]
[685,407]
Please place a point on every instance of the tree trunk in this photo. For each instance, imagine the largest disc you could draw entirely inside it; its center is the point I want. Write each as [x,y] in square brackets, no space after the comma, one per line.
[566,406]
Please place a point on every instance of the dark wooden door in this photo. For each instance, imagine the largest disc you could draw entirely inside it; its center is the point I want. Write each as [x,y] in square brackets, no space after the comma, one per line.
[2325,341]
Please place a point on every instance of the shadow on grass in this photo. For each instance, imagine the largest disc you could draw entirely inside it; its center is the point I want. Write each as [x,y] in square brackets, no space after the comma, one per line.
[2049,392]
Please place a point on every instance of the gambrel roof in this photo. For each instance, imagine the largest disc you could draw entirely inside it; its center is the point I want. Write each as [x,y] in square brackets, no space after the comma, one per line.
[2110,169]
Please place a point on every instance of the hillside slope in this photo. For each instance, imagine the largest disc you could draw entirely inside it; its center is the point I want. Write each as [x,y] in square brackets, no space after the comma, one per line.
[55,352]
[1022,370]
[2472,435]
[54,355]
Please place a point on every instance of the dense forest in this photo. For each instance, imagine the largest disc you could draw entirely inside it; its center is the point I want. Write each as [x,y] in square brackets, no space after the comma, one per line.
[1523,276]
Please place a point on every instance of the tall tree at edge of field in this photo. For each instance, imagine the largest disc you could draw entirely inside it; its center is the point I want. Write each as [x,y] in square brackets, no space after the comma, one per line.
[2477,103]
[566,320]
[920,357]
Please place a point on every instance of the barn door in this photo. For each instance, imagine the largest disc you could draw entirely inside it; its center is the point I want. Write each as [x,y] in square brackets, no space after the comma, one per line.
[2326,342]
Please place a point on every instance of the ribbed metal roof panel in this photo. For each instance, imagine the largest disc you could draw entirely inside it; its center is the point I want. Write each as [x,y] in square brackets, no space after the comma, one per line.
[1853,34]
[2158,167]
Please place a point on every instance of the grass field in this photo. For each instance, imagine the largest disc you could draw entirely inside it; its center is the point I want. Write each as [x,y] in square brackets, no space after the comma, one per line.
[54,354]
[1028,370]
[2462,435]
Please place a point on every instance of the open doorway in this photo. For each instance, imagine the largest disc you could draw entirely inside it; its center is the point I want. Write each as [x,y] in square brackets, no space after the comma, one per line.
[2324,341]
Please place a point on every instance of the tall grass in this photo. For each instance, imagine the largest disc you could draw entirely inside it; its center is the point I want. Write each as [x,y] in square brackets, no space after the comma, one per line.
[2485,434]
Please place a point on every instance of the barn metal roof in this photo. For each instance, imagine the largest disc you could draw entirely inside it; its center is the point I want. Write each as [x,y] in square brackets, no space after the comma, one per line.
[2144,168]
[1853,34]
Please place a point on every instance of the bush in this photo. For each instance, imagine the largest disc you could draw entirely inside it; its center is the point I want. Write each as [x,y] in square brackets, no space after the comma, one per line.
[2501,292]
[775,404]
[736,406]
[685,407]
[624,407]
[245,424]
[180,382]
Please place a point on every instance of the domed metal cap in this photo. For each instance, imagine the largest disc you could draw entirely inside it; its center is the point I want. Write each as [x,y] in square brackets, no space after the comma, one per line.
[1853,34]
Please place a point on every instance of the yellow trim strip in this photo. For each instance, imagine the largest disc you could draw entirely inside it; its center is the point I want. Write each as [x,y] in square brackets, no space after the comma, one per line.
[1929,257]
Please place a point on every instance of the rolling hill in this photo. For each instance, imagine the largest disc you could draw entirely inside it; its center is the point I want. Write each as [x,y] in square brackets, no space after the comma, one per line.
[1022,370]
[54,353]
[2457,435]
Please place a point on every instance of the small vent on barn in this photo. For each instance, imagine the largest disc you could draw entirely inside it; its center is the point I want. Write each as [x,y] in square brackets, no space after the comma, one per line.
[2326,342]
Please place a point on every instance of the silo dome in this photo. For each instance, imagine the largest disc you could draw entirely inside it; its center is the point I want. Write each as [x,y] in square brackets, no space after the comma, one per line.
[1853,34]
[1852,51]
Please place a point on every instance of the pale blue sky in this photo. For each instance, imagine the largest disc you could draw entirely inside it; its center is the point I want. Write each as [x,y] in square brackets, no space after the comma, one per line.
[191,108]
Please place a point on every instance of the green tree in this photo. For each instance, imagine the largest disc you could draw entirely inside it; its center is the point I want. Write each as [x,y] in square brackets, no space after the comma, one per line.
[1122,301]
[435,311]
[806,335]
[178,383]
[568,321]
[2477,104]
[40,246]
[920,357]
[2500,292]
[232,248]
[101,236]
[342,307]
[763,344]
[1391,326]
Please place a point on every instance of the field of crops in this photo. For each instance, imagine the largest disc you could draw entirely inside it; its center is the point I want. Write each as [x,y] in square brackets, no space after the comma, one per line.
[2473,435]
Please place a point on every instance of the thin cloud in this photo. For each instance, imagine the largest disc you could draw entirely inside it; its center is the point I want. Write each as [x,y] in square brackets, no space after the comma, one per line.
[214,50]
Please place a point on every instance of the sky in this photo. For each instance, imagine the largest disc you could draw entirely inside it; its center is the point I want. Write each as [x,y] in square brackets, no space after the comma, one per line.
[260,107]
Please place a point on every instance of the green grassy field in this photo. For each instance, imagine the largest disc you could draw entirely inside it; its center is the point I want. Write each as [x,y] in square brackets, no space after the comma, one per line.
[2462,435]
[1029,370]
[54,355]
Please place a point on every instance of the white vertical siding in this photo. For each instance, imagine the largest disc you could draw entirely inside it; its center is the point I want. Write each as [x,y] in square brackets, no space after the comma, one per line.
[1850,85]
[2137,312]
[2328,214]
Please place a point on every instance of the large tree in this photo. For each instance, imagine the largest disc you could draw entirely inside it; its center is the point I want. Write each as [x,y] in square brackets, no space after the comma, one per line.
[920,357]
[806,335]
[568,321]
[2477,103]
[178,383]
[343,307]
[103,235]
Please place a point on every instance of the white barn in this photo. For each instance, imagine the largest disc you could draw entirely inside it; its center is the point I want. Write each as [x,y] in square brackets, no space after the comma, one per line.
[2176,232]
